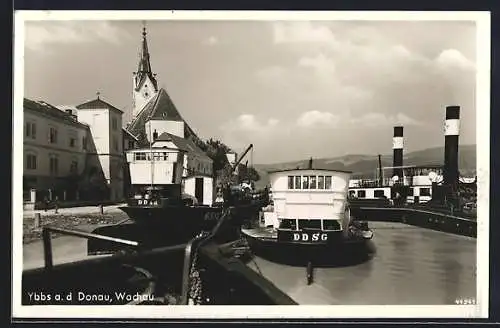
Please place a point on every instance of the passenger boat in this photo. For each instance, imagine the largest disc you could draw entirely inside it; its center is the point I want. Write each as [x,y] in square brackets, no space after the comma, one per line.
[310,219]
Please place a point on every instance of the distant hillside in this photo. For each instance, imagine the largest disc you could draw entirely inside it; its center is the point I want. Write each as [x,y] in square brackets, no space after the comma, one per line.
[365,166]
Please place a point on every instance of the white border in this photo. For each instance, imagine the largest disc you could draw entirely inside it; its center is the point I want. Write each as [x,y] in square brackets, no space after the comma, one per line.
[480,310]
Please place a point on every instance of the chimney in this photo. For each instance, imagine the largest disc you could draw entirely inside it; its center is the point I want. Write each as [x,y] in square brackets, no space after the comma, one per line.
[451,132]
[397,152]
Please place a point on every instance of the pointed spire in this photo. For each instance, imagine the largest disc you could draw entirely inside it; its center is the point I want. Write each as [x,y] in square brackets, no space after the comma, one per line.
[144,67]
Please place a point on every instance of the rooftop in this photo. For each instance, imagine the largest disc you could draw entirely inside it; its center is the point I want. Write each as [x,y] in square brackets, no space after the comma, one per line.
[52,111]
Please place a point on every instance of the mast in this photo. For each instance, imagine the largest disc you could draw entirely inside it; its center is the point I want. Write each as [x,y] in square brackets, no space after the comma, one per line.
[380,176]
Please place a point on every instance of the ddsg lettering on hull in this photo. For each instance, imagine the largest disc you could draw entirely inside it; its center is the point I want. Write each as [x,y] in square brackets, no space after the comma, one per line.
[312,237]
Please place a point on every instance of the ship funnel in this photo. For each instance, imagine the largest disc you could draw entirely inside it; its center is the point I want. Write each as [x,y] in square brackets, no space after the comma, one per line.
[451,133]
[397,152]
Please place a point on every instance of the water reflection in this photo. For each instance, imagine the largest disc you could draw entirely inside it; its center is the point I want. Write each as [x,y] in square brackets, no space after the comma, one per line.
[412,266]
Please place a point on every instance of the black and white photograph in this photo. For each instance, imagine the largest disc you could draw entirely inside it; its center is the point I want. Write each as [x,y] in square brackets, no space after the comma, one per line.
[251,164]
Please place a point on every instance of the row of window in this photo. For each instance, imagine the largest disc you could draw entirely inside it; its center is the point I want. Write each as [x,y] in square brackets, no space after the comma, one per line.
[32,163]
[309,182]
[292,224]
[147,156]
[379,193]
[53,136]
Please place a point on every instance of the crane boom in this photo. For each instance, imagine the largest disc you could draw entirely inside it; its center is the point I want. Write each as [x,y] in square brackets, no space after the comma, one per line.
[241,158]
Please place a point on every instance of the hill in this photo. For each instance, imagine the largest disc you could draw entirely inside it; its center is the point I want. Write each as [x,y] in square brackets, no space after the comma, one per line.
[365,166]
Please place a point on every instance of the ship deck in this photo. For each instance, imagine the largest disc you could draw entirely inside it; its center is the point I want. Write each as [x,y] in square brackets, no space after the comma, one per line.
[412,266]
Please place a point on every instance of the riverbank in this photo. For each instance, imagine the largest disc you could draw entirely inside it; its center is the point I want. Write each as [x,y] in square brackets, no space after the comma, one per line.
[68,218]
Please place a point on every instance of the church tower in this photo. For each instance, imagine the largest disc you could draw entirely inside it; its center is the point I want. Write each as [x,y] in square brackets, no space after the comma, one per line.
[145,86]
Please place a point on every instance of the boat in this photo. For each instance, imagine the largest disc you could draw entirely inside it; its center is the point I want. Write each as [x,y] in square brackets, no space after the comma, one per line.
[309,220]
[161,209]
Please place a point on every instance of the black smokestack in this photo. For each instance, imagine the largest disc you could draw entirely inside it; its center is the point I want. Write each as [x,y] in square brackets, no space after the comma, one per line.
[397,152]
[451,132]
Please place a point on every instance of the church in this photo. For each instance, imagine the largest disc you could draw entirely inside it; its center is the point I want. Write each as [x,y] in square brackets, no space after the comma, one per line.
[83,152]
[168,147]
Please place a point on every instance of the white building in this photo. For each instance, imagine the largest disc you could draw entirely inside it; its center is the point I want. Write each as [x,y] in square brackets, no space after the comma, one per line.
[74,152]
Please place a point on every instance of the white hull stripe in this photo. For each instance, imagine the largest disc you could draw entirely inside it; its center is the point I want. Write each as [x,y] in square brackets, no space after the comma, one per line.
[397,143]
[452,127]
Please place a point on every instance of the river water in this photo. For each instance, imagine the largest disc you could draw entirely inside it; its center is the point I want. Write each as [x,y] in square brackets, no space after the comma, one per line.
[412,266]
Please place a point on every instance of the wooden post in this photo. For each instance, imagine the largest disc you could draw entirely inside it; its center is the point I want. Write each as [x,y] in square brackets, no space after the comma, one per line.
[33,195]
[101,209]
[64,195]
[37,221]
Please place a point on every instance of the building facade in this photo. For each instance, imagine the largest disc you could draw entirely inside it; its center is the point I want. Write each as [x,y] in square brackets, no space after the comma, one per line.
[74,152]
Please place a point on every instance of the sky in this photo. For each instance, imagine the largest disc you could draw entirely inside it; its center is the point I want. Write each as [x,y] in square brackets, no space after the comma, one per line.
[294,89]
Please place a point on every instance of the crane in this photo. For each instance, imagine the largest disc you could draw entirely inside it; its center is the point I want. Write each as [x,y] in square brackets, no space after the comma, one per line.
[233,169]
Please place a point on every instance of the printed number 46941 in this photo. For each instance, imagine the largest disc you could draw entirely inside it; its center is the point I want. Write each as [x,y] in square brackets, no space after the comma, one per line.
[465,301]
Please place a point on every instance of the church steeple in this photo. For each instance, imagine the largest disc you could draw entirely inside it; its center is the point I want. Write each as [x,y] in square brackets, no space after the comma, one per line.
[145,84]
[144,68]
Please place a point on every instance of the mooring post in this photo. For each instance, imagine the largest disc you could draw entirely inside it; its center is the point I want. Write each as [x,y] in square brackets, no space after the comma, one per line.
[56,204]
[47,249]
[101,209]
[37,220]
[309,273]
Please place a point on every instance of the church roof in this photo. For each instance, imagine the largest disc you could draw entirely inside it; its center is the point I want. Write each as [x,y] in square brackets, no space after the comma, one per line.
[97,104]
[160,107]
[186,145]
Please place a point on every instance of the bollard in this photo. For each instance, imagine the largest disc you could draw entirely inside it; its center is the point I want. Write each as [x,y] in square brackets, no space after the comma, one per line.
[309,272]
[101,209]
[37,220]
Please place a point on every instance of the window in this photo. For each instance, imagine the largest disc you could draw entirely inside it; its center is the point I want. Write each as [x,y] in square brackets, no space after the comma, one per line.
[379,193]
[321,182]
[84,143]
[310,224]
[52,135]
[410,191]
[31,130]
[53,164]
[114,123]
[305,182]
[31,162]
[328,182]
[73,168]
[297,182]
[140,156]
[291,179]
[361,193]
[288,224]
[72,142]
[425,192]
[331,225]
[130,144]
[312,182]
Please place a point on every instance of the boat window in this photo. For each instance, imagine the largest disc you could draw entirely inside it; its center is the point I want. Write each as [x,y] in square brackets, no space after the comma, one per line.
[379,193]
[297,182]
[425,191]
[312,182]
[140,156]
[410,191]
[290,182]
[328,182]
[331,225]
[352,193]
[361,193]
[305,182]
[288,224]
[310,224]
[321,182]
